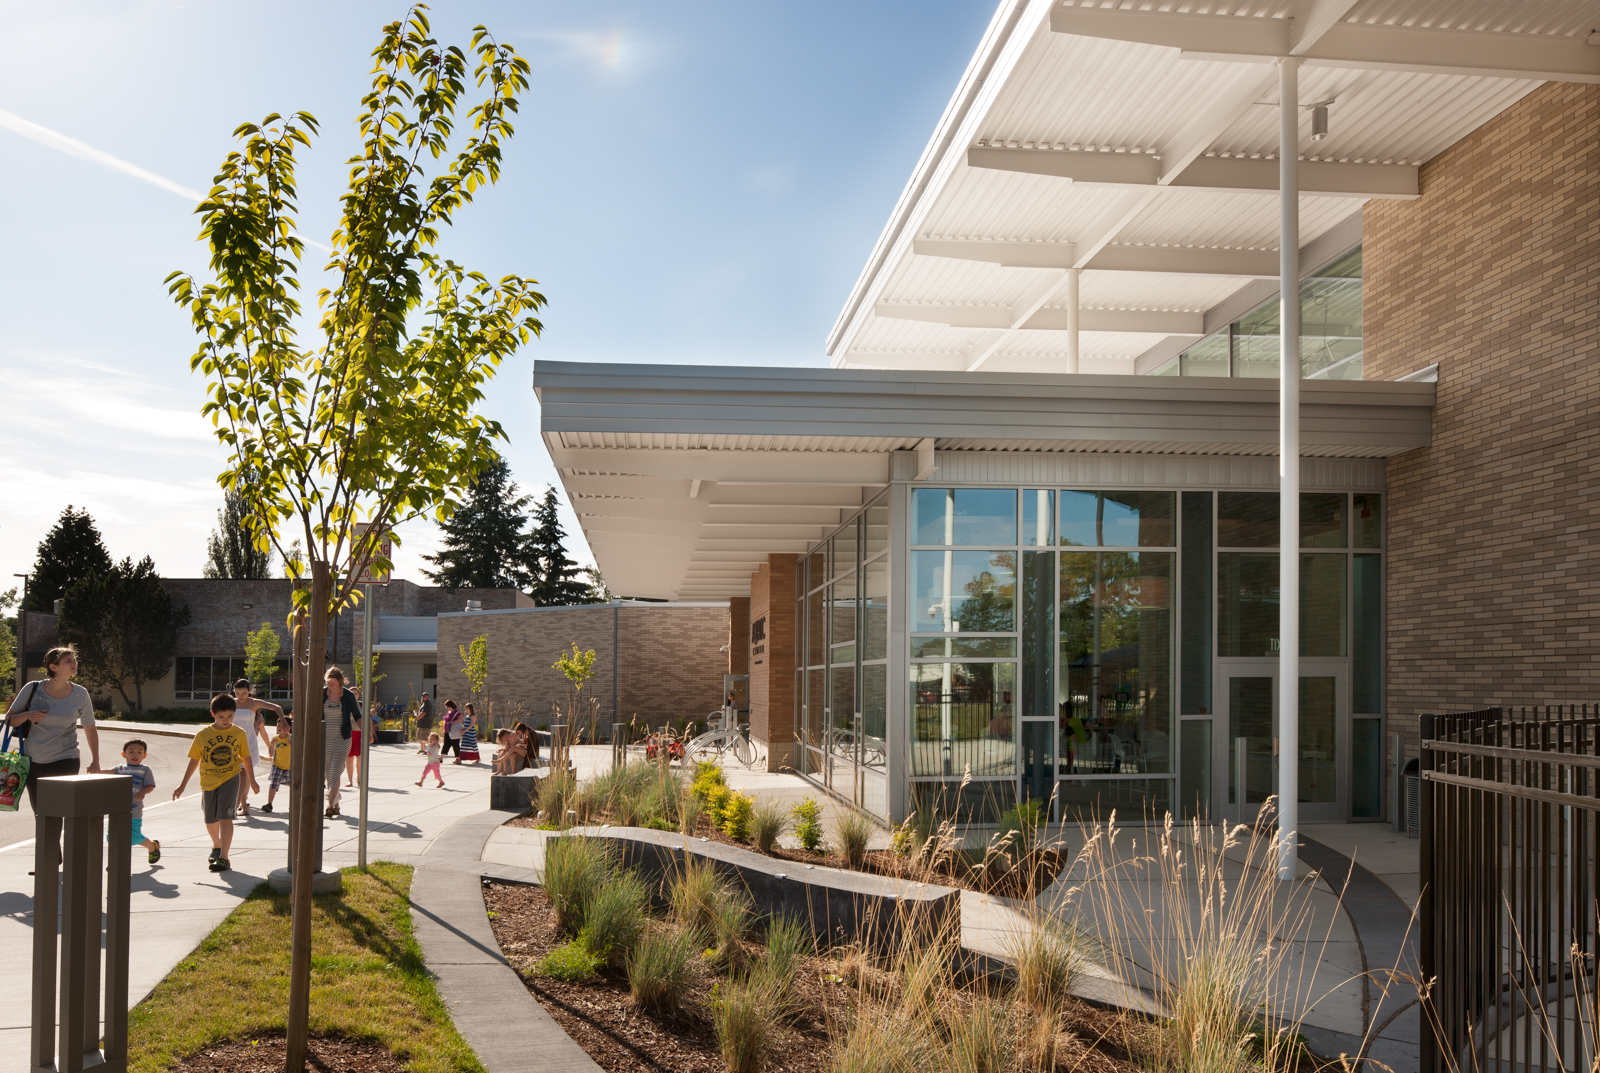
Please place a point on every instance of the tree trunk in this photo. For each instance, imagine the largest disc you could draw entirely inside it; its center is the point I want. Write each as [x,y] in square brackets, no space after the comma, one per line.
[305,817]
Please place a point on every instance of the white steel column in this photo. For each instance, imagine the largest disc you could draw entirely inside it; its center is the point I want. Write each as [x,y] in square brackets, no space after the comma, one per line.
[1072,318]
[1288,463]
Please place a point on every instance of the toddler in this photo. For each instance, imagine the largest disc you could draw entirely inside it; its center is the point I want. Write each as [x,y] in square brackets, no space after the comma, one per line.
[280,762]
[144,784]
[434,756]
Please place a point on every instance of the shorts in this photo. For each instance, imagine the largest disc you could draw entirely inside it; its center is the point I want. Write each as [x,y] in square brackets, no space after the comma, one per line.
[138,831]
[220,803]
[278,778]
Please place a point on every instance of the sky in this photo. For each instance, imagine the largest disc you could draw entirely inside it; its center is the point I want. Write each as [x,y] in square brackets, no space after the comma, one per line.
[689,182]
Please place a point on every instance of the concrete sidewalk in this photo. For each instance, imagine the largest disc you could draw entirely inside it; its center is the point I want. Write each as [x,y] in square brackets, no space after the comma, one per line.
[177,902]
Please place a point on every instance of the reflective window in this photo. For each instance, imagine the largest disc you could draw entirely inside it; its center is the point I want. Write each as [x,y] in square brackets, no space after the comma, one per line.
[1136,799]
[962,719]
[1038,518]
[875,609]
[1322,520]
[1247,604]
[816,629]
[1319,715]
[1038,633]
[1247,519]
[1368,521]
[1116,657]
[842,610]
[1209,357]
[842,549]
[965,516]
[876,528]
[1322,605]
[1366,642]
[1118,519]
[963,647]
[963,591]
[1195,643]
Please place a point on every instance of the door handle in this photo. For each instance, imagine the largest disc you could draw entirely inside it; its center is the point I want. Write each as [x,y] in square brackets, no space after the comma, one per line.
[1275,746]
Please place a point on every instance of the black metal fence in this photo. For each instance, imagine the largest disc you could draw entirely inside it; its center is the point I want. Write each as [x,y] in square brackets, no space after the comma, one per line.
[1510,860]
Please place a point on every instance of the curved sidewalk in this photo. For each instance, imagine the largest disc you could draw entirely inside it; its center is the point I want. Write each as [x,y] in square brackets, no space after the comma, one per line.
[492,1008]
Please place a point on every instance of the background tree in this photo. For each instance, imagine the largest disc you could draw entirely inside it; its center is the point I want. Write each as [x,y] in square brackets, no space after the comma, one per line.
[373,422]
[261,648]
[485,543]
[232,551]
[475,665]
[294,561]
[71,550]
[125,626]
[599,591]
[555,579]
[8,640]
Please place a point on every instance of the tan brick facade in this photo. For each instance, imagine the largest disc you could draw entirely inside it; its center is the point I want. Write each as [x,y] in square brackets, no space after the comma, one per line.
[671,666]
[771,645]
[1493,571]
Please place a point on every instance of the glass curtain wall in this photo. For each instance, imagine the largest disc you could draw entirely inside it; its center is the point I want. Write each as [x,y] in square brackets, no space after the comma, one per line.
[1330,332]
[1063,642]
[842,614]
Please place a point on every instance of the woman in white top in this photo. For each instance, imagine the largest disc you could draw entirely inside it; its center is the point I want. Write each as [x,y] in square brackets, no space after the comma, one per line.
[55,705]
[253,729]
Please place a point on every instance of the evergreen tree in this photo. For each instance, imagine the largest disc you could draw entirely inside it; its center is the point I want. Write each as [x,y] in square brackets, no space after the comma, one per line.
[70,551]
[231,551]
[125,626]
[556,578]
[485,546]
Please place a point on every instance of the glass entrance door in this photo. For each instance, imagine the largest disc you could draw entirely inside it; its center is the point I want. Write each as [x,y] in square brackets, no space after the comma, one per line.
[1249,710]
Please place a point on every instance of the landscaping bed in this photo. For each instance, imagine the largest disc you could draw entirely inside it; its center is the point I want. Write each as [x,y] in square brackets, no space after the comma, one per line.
[266,1054]
[826,997]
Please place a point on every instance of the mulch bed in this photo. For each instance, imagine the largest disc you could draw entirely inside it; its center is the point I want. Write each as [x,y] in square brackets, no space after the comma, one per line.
[1023,879]
[601,1017]
[265,1054]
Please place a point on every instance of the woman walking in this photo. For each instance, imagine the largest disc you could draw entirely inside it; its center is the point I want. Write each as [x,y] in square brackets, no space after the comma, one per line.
[341,715]
[54,707]
[451,728]
[467,748]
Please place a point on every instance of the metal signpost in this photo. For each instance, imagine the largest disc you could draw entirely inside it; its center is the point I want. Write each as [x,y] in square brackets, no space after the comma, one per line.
[369,581]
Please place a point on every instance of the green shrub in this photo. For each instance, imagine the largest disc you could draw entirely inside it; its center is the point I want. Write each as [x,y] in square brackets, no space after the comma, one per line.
[730,921]
[742,1011]
[905,838]
[736,816]
[717,805]
[1048,964]
[767,824]
[707,777]
[1022,822]
[615,917]
[661,968]
[694,894]
[576,869]
[569,963]
[808,823]
[853,830]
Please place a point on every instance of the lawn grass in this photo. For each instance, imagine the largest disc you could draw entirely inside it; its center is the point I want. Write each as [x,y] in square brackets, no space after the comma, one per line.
[368,980]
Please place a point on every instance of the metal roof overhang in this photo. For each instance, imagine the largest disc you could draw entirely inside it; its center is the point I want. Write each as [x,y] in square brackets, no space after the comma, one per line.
[685,478]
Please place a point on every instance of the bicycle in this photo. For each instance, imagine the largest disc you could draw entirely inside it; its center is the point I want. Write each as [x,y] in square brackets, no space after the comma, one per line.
[713,745]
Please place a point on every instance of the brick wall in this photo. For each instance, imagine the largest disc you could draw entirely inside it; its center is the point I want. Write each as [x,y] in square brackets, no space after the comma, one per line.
[772,659]
[671,665]
[1494,580]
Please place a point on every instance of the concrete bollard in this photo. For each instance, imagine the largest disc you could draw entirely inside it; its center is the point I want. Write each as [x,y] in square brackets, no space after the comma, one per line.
[66,893]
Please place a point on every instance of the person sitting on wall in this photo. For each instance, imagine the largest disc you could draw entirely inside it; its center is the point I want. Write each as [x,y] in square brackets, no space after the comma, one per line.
[502,759]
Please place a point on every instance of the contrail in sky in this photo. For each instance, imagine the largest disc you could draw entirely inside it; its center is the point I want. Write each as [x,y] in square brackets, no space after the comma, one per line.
[84,151]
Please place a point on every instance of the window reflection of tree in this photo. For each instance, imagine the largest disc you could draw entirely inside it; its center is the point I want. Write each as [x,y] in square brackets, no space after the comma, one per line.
[1114,636]
[990,603]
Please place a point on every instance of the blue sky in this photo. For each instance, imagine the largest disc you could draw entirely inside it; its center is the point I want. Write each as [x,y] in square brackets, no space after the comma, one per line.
[690,182]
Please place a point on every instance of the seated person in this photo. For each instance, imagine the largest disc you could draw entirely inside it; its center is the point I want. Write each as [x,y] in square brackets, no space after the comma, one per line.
[502,759]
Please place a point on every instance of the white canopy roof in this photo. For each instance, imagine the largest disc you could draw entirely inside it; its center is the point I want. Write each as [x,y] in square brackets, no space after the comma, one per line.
[1136,140]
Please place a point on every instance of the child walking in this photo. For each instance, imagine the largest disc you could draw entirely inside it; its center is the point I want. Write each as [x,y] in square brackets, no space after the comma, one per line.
[144,783]
[432,748]
[280,762]
[219,752]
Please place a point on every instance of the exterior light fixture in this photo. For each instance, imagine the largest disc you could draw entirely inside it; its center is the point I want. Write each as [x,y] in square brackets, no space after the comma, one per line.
[1319,119]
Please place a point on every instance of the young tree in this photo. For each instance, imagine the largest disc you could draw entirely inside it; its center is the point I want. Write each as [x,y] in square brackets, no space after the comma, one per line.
[475,664]
[485,546]
[125,626]
[8,640]
[71,550]
[374,421]
[556,579]
[232,550]
[261,653]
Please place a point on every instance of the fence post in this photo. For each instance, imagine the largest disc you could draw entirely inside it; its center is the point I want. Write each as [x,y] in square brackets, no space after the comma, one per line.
[619,744]
[1428,1041]
[75,804]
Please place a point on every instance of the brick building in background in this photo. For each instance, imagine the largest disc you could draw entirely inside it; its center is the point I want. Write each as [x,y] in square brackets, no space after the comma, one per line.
[1493,275]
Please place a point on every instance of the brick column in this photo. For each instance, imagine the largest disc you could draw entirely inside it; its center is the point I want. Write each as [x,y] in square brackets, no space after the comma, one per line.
[771,650]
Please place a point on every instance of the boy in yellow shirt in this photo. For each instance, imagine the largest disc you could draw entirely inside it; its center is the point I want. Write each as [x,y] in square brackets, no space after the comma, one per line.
[219,751]
[280,762]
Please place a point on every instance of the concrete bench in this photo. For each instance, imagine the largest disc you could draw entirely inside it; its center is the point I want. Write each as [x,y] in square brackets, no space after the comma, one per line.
[511,793]
[886,914]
